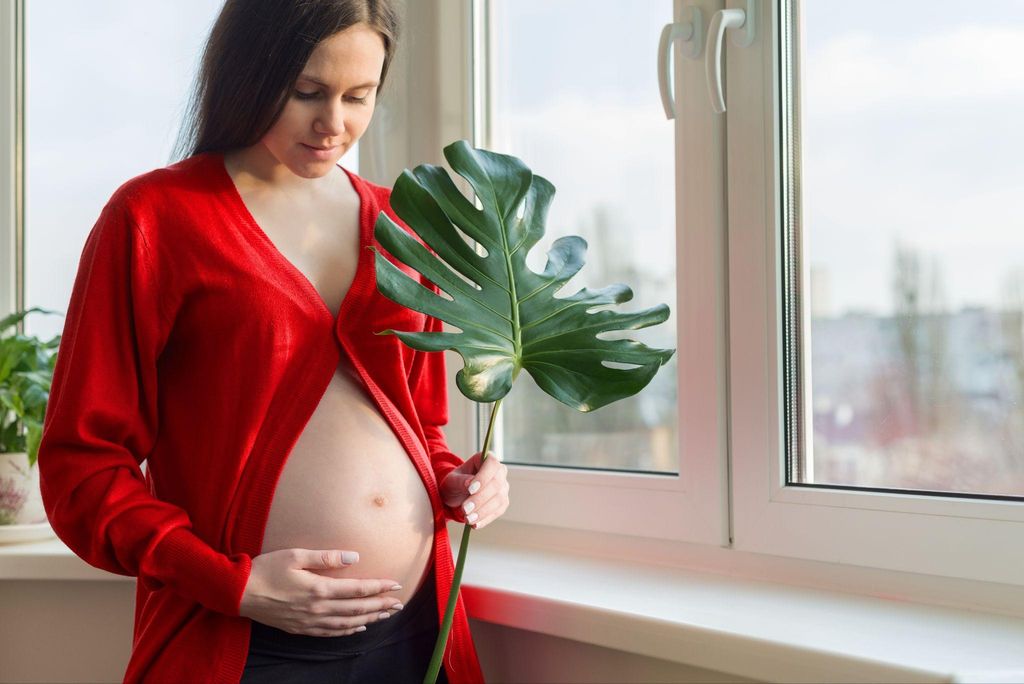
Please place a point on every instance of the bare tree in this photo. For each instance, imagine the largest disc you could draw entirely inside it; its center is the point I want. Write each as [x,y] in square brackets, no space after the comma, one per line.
[922,323]
[1012,325]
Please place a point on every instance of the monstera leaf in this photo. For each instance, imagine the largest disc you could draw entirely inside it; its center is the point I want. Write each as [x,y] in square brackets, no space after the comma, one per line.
[508,314]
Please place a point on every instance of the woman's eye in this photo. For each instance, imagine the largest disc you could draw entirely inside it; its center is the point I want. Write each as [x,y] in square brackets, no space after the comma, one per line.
[309,96]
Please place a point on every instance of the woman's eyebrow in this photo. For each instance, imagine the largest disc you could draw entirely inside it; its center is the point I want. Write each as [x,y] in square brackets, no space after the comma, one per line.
[368,84]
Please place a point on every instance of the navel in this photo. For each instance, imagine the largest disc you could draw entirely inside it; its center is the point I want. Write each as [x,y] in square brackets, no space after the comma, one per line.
[380,500]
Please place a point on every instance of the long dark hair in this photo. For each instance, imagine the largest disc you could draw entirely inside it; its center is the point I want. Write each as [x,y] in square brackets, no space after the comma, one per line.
[252,58]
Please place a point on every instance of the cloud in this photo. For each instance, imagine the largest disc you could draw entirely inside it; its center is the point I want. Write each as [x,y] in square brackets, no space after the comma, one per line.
[597,151]
[914,138]
[857,72]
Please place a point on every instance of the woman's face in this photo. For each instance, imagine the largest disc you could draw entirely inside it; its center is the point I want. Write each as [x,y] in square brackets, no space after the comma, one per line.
[332,102]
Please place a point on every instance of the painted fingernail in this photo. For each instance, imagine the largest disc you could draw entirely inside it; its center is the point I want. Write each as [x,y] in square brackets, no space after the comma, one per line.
[475,487]
[396,587]
[384,616]
[468,506]
[397,606]
[361,628]
[471,517]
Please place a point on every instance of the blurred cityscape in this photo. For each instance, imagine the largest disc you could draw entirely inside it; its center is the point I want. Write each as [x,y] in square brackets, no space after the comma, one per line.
[920,399]
[924,398]
[635,433]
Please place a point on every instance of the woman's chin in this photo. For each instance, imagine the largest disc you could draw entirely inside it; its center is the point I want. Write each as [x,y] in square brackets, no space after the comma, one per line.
[311,170]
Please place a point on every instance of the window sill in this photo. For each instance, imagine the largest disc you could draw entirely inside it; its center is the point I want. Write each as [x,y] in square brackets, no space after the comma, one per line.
[756,629]
[761,630]
[48,559]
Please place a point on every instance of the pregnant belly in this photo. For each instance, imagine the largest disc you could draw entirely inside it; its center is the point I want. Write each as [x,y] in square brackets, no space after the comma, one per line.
[348,484]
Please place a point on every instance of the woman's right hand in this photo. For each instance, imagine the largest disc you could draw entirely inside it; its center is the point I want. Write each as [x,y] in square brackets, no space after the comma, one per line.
[283,593]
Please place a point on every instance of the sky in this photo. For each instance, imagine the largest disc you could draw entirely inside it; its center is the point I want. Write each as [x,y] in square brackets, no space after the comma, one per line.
[912,135]
[581,108]
[106,82]
[910,132]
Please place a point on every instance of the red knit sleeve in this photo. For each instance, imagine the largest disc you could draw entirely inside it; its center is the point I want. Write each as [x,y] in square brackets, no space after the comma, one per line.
[101,423]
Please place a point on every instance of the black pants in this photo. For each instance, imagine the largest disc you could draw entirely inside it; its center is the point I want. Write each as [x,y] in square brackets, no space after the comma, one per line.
[395,650]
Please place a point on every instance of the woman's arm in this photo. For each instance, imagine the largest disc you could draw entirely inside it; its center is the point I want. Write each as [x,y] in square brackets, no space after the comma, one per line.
[101,423]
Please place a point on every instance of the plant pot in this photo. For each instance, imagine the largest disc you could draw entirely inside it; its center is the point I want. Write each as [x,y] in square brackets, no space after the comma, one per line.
[21,502]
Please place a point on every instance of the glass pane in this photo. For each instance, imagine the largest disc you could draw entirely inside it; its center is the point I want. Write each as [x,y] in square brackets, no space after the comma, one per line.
[93,121]
[581,108]
[910,141]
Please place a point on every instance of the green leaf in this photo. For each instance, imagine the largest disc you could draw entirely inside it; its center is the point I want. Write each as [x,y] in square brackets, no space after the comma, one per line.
[16,317]
[508,314]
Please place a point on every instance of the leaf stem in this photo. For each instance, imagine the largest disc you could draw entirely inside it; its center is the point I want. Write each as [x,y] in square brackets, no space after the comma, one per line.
[453,595]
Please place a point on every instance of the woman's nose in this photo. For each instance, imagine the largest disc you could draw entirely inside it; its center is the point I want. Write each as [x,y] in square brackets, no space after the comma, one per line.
[331,120]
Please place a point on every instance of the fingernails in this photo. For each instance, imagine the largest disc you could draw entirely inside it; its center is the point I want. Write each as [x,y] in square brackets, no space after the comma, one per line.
[384,616]
[397,606]
[349,557]
[474,487]
[471,518]
[396,587]
[361,628]
[468,506]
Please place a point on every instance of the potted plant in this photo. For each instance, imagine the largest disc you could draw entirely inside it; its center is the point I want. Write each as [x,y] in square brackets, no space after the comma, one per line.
[26,371]
[508,314]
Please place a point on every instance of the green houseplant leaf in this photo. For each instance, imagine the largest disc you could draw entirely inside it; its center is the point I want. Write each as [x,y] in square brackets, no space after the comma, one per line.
[26,372]
[507,313]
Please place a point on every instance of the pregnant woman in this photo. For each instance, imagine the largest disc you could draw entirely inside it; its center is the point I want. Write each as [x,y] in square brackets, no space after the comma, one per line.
[290,522]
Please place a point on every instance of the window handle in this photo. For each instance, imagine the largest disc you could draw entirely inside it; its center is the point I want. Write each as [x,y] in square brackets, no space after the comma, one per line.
[691,33]
[722,20]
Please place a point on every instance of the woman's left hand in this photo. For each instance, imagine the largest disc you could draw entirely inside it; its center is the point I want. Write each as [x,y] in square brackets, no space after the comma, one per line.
[485,501]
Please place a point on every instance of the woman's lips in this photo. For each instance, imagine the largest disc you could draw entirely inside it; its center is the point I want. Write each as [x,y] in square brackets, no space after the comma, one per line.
[319,153]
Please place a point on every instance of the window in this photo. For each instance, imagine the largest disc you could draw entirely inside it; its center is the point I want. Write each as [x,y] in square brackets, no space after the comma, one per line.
[846,274]
[873,403]
[589,120]
[908,160]
[579,103]
[95,121]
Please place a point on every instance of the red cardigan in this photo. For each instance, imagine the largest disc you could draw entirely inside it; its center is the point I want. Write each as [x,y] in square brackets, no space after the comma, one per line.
[191,342]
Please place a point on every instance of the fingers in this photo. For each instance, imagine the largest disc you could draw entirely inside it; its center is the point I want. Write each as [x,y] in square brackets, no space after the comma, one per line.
[469,478]
[323,559]
[343,626]
[342,606]
[491,500]
[342,616]
[492,509]
[329,588]
[359,607]
[285,590]
[491,468]
[453,488]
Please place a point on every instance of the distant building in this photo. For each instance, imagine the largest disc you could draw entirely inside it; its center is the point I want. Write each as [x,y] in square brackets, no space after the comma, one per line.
[821,304]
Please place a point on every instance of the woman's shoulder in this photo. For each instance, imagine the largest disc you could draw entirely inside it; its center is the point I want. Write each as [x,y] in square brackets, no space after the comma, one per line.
[167,186]
[380,193]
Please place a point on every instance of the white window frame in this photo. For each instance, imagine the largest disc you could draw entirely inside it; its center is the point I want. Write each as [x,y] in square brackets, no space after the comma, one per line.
[956,537]
[12,150]
[690,506]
